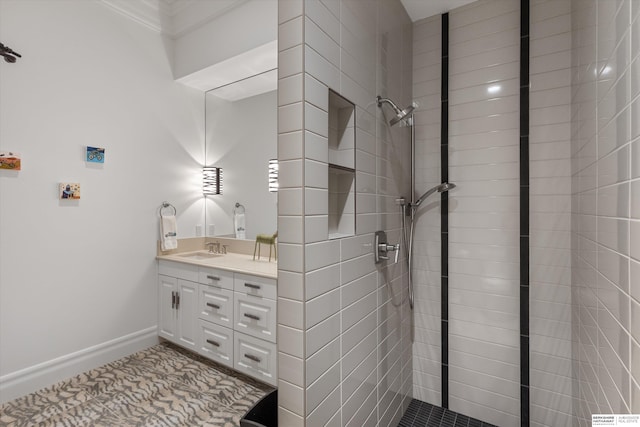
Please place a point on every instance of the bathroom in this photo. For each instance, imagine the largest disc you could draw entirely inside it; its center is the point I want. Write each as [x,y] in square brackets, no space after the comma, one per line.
[91,75]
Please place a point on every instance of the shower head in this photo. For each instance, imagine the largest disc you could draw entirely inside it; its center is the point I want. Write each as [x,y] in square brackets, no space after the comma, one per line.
[445,186]
[400,114]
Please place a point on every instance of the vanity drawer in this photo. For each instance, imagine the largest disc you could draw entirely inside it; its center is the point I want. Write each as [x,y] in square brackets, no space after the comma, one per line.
[257,286]
[215,342]
[255,316]
[215,305]
[256,358]
[214,277]
[179,270]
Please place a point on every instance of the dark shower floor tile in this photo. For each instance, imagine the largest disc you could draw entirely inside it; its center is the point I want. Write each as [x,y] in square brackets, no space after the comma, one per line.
[422,414]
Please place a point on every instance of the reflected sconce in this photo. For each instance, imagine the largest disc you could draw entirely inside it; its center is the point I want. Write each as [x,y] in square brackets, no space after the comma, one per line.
[273,175]
[211,180]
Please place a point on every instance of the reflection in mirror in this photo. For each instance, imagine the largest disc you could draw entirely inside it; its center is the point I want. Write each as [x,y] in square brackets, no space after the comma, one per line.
[241,138]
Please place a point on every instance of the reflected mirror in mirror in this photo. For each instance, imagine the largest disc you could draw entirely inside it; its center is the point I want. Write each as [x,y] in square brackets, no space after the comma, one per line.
[241,137]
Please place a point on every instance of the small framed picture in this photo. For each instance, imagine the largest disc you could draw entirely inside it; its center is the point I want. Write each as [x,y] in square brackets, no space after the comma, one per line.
[10,160]
[69,191]
[95,154]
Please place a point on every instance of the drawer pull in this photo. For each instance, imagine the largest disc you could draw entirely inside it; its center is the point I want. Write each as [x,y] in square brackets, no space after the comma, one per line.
[252,316]
[216,278]
[252,286]
[252,357]
[212,305]
[214,343]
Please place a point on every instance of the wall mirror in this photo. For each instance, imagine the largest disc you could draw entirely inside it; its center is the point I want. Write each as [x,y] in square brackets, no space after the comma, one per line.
[241,138]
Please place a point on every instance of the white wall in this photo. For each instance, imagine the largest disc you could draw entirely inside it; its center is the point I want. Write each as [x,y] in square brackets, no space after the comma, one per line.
[74,276]
[241,138]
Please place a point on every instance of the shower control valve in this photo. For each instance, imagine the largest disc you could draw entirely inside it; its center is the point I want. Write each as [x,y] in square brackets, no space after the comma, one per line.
[382,248]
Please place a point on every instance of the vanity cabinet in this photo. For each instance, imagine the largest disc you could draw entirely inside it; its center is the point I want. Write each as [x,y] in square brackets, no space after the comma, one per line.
[227,317]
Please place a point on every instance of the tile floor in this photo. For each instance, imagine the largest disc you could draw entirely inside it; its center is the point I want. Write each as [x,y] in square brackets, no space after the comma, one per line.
[422,414]
[161,386]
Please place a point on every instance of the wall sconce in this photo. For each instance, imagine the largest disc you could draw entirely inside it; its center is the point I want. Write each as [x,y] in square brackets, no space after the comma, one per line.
[211,180]
[273,175]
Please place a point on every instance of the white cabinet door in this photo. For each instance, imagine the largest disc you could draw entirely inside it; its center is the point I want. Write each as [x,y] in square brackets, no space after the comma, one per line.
[166,312]
[216,342]
[216,305]
[186,308]
[255,316]
[255,357]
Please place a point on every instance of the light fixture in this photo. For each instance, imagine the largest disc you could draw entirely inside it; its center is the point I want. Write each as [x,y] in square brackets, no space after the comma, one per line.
[211,180]
[273,175]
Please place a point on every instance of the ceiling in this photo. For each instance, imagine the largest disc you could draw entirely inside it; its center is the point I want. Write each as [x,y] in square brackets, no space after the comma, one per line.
[172,18]
[419,9]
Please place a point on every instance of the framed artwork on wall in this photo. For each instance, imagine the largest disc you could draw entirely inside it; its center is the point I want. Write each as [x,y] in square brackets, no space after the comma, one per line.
[95,154]
[10,160]
[69,191]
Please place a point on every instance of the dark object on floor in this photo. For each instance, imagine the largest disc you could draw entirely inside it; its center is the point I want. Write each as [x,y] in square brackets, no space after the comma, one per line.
[422,414]
[264,413]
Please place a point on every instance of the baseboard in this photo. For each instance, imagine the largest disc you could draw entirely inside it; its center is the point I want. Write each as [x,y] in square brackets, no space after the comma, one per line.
[35,377]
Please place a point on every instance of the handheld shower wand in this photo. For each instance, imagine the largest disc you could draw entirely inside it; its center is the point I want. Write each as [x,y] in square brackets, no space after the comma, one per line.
[445,186]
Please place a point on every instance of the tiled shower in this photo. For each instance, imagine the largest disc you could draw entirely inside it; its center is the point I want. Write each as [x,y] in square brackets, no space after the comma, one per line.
[348,355]
[484,239]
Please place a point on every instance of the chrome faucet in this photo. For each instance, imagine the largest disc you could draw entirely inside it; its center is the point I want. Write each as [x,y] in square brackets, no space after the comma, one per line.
[211,245]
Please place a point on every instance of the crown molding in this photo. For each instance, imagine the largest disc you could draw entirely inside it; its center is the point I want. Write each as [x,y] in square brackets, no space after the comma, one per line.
[144,12]
[172,18]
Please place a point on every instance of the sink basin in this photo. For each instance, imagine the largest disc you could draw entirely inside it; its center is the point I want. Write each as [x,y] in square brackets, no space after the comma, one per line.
[203,255]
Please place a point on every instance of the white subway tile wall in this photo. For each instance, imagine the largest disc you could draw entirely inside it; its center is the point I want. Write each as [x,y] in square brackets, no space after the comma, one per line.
[550,197]
[605,279]
[352,344]
[291,210]
[426,271]
[343,328]
[484,267]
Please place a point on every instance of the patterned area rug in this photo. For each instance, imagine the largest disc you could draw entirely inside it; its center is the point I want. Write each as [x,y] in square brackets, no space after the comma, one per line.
[161,386]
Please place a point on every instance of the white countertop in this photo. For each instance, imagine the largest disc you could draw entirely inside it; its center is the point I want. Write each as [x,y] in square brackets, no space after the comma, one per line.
[238,263]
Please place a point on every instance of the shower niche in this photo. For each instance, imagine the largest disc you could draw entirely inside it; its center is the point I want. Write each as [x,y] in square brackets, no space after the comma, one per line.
[342,173]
